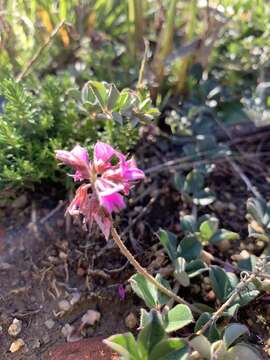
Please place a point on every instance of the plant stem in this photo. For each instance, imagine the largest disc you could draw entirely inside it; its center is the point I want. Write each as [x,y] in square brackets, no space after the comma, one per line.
[39,52]
[148,276]
[227,303]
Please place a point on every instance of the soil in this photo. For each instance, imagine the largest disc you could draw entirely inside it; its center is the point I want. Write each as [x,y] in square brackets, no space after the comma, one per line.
[45,258]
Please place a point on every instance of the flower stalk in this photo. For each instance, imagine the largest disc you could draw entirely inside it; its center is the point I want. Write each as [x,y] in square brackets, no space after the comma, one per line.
[146,274]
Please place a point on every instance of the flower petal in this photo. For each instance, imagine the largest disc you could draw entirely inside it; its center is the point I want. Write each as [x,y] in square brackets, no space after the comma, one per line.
[113,202]
[103,152]
[104,222]
[106,187]
[78,159]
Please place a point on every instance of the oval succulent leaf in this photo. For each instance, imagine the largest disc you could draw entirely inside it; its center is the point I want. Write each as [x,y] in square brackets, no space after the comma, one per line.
[233,332]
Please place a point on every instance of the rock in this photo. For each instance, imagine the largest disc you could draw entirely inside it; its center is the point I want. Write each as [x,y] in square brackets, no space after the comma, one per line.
[131,321]
[91,317]
[266,285]
[35,344]
[68,332]
[15,328]
[75,298]
[16,345]
[4,266]
[63,255]
[49,324]
[64,305]
[20,202]
[46,339]
[232,207]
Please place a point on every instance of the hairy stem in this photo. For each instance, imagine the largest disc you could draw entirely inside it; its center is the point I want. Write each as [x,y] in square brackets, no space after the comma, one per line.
[148,276]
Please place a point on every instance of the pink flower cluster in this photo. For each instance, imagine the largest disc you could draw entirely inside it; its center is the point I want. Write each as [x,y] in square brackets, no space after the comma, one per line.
[109,176]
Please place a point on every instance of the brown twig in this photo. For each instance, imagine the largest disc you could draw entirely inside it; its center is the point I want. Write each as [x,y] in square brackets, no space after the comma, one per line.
[149,277]
[51,213]
[34,59]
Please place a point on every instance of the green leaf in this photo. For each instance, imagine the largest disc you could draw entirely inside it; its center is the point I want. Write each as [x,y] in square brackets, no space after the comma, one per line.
[195,267]
[233,332]
[170,242]
[221,283]
[188,223]
[190,247]
[204,197]
[212,333]
[117,118]
[124,344]
[179,182]
[248,264]
[178,317]
[100,92]
[148,292]
[179,272]
[202,345]
[194,182]
[232,310]
[151,334]
[162,299]
[208,228]
[87,95]
[259,210]
[242,351]
[145,318]
[169,349]
[224,235]
[113,96]
[144,289]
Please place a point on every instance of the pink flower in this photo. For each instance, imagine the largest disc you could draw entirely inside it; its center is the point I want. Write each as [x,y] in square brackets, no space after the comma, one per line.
[109,176]
[78,159]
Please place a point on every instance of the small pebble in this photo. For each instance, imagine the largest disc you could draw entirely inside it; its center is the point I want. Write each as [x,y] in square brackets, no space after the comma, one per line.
[91,317]
[4,266]
[35,344]
[16,345]
[232,207]
[63,255]
[211,295]
[15,328]
[46,339]
[131,321]
[64,305]
[75,298]
[67,330]
[260,244]
[49,324]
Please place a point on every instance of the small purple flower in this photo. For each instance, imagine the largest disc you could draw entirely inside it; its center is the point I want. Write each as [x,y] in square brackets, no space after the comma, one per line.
[121,292]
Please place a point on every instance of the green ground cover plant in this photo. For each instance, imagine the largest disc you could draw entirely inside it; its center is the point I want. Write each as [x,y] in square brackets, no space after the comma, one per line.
[106,77]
